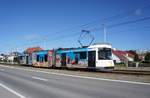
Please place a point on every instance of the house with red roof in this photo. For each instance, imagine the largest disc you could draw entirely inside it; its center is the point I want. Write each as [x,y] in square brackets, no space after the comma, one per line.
[32,49]
[122,56]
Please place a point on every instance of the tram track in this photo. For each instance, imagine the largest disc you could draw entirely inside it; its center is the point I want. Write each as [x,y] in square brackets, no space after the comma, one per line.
[132,72]
[115,71]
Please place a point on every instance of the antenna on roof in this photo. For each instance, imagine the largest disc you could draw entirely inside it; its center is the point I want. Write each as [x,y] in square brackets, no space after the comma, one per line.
[85,34]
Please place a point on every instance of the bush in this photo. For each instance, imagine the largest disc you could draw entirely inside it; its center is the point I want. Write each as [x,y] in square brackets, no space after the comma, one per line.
[147,57]
[136,56]
[120,65]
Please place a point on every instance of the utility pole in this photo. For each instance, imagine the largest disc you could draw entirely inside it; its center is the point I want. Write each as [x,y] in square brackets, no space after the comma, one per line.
[105,35]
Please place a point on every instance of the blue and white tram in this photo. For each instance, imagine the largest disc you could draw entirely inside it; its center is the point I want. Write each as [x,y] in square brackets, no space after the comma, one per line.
[102,53]
[97,56]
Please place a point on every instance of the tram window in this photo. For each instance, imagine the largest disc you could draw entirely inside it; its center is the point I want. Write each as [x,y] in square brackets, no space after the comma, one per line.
[82,55]
[45,58]
[37,59]
[41,59]
[21,58]
[104,53]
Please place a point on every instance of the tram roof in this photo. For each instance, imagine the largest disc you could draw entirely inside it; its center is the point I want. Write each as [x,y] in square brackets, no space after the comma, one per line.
[101,45]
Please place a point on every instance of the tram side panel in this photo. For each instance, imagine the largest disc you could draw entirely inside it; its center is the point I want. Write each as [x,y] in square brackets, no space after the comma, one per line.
[23,59]
[40,59]
[58,59]
[77,59]
[71,59]
[51,58]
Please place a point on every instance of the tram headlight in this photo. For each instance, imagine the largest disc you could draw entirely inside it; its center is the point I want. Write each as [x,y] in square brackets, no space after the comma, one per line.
[110,63]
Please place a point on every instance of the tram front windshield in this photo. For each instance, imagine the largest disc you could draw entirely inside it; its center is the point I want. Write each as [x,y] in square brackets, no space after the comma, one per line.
[104,54]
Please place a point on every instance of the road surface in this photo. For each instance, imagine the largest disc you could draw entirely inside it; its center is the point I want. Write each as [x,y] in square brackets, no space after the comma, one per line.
[20,83]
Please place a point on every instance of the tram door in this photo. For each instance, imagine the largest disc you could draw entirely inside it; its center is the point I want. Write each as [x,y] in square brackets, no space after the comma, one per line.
[63,60]
[91,59]
[27,59]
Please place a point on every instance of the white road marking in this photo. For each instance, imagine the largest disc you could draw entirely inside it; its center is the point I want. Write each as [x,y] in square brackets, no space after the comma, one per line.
[38,78]
[12,91]
[83,77]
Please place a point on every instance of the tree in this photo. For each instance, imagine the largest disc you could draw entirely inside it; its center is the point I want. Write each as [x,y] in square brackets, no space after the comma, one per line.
[136,56]
[147,57]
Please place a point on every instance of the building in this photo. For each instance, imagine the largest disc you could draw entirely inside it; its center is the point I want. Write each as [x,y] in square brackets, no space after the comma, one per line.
[12,58]
[122,56]
[32,49]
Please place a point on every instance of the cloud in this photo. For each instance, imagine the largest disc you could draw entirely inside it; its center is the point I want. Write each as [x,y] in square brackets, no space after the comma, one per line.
[32,36]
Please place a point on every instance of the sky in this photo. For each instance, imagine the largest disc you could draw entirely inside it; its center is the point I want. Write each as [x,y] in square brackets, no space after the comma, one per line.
[59,23]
